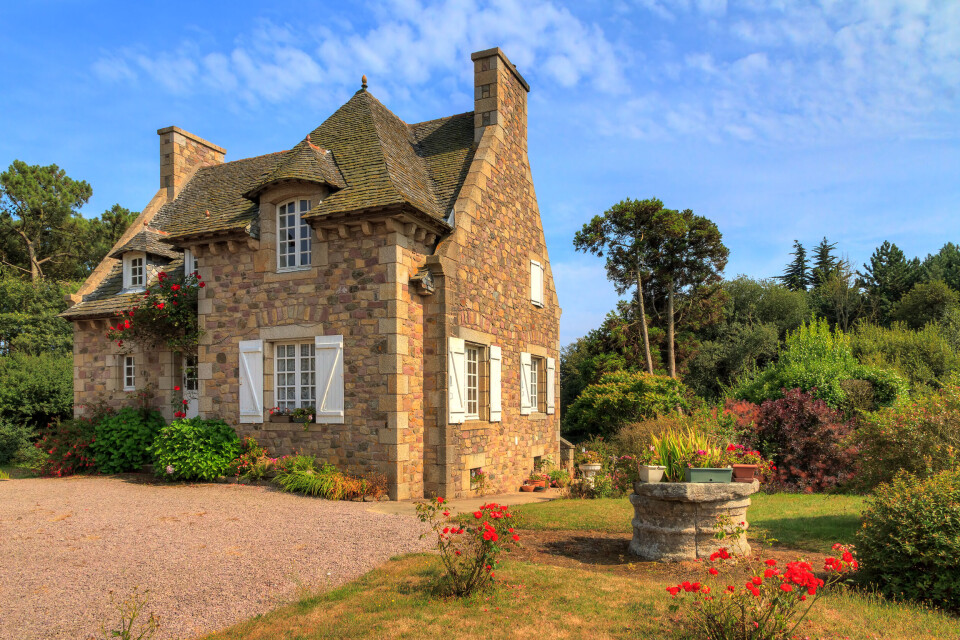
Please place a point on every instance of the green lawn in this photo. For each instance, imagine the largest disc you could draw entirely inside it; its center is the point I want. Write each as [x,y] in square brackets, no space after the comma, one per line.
[540,601]
[808,522]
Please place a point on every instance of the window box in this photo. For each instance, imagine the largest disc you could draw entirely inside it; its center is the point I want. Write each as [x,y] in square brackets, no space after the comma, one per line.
[279,418]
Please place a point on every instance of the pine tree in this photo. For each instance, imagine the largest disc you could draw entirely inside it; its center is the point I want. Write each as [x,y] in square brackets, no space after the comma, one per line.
[796,277]
[887,278]
[825,264]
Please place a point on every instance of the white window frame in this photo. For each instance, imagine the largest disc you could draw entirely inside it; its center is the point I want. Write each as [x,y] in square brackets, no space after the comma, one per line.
[190,262]
[534,382]
[474,360]
[305,395]
[129,373]
[302,258]
[129,258]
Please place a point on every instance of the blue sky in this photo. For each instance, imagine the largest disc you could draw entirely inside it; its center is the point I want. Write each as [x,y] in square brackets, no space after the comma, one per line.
[777,119]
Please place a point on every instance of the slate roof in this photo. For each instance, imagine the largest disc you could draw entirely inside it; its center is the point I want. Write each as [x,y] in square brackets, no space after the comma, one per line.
[147,241]
[307,162]
[106,299]
[369,157]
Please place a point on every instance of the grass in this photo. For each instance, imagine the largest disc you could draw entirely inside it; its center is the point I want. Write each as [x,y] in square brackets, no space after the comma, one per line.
[15,471]
[808,522]
[537,601]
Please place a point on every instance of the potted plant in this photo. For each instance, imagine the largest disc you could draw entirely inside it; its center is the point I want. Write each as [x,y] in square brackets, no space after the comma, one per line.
[538,480]
[648,466]
[303,415]
[279,415]
[708,465]
[590,464]
[748,465]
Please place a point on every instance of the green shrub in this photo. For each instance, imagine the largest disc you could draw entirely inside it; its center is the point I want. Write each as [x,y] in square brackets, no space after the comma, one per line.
[36,390]
[14,441]
[195,449]
[910,539]
[925,357]
[817,359]
[123,439]
[622,397]
[306,475]
[922,437]
[674,448]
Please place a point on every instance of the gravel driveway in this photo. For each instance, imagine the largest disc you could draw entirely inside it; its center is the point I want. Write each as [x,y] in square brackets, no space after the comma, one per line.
[210,554]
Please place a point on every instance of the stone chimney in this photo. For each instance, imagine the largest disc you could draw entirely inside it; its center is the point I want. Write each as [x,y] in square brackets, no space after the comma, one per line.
[500,95]
[181,154]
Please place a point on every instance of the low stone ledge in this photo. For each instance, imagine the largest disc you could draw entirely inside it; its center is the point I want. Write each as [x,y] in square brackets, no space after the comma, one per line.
[674,521]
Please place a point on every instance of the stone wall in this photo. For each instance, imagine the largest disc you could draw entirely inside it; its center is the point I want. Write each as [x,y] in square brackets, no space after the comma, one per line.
[357,287]
[484,272]
[98,371]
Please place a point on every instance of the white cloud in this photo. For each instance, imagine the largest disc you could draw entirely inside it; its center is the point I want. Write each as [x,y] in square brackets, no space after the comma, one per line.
[410,44]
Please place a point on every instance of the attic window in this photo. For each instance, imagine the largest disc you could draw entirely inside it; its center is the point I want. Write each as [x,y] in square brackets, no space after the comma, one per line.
[134,270]
[293,236]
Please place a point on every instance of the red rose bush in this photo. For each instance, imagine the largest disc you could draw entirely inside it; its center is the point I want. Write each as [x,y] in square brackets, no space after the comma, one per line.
[770,605]
[470,552]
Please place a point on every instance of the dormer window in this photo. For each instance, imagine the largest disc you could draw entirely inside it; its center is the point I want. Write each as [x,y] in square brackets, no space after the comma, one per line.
[134,270]
[293,236]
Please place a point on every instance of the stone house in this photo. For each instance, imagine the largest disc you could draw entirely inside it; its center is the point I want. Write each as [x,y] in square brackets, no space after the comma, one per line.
[393,276]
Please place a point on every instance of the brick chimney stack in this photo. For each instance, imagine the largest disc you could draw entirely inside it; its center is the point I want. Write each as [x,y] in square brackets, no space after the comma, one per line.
[181,154]
[500,95]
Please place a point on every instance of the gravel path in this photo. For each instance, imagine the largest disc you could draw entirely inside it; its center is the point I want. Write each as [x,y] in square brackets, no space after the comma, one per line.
[211,555]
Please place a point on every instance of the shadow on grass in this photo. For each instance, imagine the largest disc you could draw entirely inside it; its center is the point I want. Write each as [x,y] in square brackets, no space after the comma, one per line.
[813,533]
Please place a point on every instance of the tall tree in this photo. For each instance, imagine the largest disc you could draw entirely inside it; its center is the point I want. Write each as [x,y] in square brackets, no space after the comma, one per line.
[944,265]
[690,262]
[39,205]
[886,279]
[622,234]
[796,277]
[840,297]
[825,264]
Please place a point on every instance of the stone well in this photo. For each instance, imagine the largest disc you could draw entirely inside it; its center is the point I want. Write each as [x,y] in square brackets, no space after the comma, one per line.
[674,521]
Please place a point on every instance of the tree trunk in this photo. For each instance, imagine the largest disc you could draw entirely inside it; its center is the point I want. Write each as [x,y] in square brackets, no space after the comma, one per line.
[671,357]
[35,273]
[643,325]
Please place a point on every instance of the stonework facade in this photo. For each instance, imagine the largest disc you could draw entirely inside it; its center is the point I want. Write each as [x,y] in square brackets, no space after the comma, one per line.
[400,275]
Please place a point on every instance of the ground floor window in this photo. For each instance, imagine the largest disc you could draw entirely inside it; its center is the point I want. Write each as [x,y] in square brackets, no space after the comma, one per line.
[129,373]
[296,375]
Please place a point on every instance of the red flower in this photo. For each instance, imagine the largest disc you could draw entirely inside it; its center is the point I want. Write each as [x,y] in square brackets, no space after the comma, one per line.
[713,571]
[186,402]
[786,587]
[757,580]
[771,562]
[516,538]
[202,285]
[175,287]
[160,305]
[673,591]
[439,500]
[177,388]
[477,514]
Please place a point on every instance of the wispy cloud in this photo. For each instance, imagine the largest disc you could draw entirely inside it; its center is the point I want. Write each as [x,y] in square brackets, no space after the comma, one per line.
[401,51]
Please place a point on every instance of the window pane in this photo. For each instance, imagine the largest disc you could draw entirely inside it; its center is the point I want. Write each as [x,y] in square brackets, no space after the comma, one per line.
[304,206]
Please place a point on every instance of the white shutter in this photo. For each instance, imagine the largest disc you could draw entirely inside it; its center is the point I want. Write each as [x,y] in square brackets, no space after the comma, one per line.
[329,379]
[525,365]
[496,358]
[251,381]
[536,283]
[551,390]
[457,379]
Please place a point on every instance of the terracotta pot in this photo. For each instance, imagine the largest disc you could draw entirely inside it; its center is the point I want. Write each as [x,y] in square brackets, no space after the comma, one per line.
[527,488]
[744,472]
[539,483]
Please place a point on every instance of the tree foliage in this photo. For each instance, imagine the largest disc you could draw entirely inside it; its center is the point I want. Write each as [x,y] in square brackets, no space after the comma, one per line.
[926,302]
[887,277]
[796,276]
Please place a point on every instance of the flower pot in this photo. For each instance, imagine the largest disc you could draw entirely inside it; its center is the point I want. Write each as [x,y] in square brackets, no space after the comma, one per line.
[708,475]
[589,469]
[539,484]
[527,488]
[744,472]
[651,472]
[279,418]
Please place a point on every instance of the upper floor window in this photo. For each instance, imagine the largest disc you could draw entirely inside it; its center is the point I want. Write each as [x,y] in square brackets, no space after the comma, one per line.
[129,373]
[536,283]
[293,235]
[134,270]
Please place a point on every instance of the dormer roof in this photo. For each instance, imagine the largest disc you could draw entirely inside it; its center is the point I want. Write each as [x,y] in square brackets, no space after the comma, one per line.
[306,162]
[147,241]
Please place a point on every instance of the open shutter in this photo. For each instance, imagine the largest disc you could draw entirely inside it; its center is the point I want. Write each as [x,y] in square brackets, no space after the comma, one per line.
[551,388]
[525,403]
[329,379]
[457,376]
[536,283]
[495,403]
[251,381]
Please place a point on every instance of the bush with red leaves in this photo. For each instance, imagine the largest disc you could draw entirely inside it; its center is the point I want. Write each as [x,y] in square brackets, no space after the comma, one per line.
[805,438]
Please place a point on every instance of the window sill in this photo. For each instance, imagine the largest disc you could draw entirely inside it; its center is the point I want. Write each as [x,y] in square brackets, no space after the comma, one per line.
[293,269]
[290,274]
[537,415]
